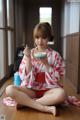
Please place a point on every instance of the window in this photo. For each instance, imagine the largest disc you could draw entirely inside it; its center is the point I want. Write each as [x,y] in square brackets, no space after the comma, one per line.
[2,58]
[10,47]
[2,68]
[10,31]
[45,14]
[6,36]
[1,13]
[10,13]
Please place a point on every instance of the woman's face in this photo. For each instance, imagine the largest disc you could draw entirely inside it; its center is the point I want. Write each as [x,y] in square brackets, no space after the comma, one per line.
[41,43]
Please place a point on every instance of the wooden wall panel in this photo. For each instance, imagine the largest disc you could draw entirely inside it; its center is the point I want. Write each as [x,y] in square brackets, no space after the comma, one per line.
[72,54]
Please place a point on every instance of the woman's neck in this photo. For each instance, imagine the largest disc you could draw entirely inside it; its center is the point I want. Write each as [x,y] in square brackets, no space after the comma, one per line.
[40,49]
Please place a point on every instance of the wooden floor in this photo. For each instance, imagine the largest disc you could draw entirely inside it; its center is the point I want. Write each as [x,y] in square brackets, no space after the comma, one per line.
[65,112]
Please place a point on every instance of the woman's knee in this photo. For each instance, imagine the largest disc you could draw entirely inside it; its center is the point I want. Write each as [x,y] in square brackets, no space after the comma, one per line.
[61,94]
[10,90]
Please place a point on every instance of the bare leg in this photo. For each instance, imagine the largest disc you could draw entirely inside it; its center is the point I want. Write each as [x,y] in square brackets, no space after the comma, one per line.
[24,99]
[53,97]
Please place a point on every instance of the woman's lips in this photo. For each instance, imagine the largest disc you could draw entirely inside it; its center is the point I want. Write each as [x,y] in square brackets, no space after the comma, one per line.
[41,45]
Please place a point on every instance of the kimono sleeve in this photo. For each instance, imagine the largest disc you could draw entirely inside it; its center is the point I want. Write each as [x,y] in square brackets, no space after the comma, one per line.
[24,75]
[57,69]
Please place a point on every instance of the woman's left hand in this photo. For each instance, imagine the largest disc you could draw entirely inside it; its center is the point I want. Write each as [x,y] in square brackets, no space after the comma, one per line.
[43,61]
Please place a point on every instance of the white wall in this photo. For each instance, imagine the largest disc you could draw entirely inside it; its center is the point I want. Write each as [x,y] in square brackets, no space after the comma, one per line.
[70,21]
[65,25]
[70,18]
[74,17]
[65,19]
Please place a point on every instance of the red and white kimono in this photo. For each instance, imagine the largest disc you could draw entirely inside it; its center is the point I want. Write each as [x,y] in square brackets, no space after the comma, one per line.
[39,78]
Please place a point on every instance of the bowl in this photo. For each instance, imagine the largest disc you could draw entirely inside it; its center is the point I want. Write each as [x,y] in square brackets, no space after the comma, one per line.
[40,55]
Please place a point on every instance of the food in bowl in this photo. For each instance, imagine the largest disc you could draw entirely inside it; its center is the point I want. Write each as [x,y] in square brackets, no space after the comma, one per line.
[40,55]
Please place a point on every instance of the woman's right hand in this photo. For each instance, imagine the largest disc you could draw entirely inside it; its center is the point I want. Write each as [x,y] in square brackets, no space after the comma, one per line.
[27,57]
[27,51]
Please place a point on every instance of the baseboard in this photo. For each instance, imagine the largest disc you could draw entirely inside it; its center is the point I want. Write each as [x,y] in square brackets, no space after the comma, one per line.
[7,76]
[2,81]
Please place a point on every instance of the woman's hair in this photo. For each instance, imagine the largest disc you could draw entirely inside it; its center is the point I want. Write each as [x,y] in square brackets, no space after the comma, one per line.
[43,30]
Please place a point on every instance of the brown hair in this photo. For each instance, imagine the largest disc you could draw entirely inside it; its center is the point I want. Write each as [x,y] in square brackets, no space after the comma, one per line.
[43,30]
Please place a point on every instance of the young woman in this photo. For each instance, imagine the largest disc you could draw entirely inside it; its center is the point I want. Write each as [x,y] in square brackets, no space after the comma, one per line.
[40,75]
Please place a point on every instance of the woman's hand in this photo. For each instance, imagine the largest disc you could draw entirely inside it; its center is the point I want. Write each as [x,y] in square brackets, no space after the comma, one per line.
[27,51]
[43,60]
[27,54]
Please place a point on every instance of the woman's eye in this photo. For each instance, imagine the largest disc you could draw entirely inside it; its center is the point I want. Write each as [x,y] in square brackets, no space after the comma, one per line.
[37,37]
[44,37]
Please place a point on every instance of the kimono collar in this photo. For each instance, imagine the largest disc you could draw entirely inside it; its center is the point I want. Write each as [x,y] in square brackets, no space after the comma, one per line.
[46,50]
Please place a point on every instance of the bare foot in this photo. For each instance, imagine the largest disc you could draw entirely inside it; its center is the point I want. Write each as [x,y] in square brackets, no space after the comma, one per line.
[51,109]
[73,101]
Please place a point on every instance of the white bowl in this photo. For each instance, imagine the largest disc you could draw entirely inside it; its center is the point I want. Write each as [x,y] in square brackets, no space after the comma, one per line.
[40,55]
